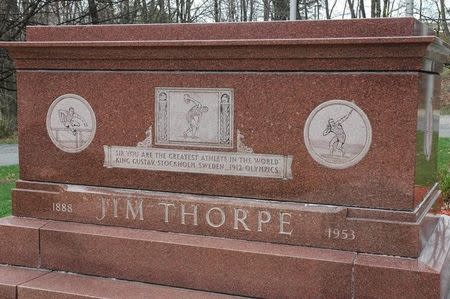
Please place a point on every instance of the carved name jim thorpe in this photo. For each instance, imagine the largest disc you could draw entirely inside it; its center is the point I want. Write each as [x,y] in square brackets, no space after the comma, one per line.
[173,212]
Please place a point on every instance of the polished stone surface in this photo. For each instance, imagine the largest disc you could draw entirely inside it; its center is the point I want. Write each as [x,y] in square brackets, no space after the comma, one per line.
[221,265]
[252,269]
[19,239]
[384,178]
[11,277]
[30,283]
[230,31]
[377,54]
[383,66]
[248,268]
[215,163]
[391,277]
[335,227]
[58,285]
[317,45]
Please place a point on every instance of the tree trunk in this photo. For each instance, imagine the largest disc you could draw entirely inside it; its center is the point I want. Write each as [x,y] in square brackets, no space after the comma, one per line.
[327,10]
[362,9]
[305,9]
[266,4]
[144,16]
[244,10]
[420,10]
[188,16]
[183,11]
[216,11]
[385,8]
[444,21]
[93,13]
[162,11]
[351,6]
[373,8]
[280,9]
[252,10]
[378,9]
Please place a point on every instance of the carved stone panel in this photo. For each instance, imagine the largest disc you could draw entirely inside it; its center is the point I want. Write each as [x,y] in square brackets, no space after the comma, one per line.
[197,117]
[338,134]
[71,123]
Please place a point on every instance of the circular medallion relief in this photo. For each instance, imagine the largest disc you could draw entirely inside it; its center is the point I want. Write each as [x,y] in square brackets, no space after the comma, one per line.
[338,134]
[71,123]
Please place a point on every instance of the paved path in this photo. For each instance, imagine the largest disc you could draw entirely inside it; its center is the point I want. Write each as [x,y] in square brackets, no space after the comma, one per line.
[9,154]
[444,126]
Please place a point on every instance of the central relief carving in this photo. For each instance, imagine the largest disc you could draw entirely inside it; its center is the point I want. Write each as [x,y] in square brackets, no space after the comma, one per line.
[197,117]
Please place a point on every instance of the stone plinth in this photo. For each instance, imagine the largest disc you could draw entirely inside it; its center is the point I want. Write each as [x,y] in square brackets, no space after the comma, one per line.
[249,268]
[399,233]
[281,159]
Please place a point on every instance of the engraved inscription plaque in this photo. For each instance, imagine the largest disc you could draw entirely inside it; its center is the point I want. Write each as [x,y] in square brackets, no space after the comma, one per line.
[338,134]
[196,117]
[206,162]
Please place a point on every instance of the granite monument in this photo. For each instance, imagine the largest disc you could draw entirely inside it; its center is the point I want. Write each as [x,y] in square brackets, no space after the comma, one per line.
[274,160]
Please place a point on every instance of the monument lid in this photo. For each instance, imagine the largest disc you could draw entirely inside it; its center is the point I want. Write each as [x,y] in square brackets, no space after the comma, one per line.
[393,44]
[380,27]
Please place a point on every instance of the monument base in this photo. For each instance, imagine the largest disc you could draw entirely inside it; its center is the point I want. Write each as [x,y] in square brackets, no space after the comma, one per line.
[25,283]
[212,264]
[356,229]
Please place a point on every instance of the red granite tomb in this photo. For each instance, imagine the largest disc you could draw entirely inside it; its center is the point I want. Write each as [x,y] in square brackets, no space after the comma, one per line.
[275,160]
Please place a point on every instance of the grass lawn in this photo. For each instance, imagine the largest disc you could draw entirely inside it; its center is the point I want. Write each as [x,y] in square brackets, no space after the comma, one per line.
[9,140]
[444,168]
[445,110]
[8,177]
[444,154]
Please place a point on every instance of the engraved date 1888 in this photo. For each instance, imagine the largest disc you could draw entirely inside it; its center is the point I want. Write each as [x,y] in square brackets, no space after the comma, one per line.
[343,234]
[61,207]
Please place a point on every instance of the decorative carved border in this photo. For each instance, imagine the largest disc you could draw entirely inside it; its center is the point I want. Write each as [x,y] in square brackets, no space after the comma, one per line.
[225,117]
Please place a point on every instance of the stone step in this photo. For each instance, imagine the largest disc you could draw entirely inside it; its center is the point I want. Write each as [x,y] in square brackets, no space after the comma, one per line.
[19,241]
[12,277]
[26,283]
[238,267]
[235,267]
[246,268]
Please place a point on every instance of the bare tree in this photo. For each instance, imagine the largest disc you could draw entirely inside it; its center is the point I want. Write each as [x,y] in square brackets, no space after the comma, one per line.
[280,9]
[266,4]
[444,19]
[351,6]
[93,11]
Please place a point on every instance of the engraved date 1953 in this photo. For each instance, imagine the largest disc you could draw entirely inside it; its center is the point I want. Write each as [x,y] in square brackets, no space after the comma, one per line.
[343,234]
[62,207]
